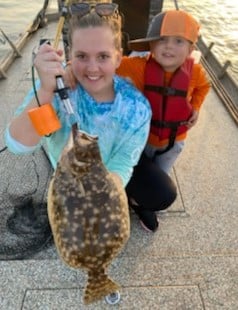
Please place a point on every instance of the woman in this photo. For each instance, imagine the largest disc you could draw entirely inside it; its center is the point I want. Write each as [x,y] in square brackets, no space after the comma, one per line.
[103,103]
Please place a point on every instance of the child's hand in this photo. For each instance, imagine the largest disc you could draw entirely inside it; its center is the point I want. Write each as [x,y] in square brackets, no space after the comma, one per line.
[193,119]
[69,77]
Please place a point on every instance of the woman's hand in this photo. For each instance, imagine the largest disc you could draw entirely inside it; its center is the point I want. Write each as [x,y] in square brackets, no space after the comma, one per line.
[48,63]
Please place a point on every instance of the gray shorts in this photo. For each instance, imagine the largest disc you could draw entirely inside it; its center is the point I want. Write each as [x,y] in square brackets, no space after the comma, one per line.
[166,160]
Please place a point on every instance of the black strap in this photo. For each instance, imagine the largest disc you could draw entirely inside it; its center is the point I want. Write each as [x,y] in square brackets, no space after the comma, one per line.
[166,91]
[174,128]
[170,144]
[167,124]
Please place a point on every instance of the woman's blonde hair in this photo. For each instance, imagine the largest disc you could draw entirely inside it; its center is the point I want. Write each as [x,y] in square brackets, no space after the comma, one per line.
[92,19]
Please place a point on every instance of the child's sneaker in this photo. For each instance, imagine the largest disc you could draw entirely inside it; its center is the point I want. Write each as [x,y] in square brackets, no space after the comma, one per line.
[148,219]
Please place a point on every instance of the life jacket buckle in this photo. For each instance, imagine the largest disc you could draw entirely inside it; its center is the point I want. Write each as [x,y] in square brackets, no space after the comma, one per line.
[169,91]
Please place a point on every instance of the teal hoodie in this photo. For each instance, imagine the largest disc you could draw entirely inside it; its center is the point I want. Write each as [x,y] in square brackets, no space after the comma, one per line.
[122,126]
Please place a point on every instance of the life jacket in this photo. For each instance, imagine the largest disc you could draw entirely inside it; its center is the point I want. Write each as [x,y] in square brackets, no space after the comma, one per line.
[169,104]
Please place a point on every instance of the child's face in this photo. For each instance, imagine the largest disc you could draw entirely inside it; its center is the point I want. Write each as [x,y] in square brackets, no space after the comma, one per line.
[171,52]
[94,60]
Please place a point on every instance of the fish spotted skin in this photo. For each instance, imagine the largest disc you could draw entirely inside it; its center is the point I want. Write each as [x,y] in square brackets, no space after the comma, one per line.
[88,213]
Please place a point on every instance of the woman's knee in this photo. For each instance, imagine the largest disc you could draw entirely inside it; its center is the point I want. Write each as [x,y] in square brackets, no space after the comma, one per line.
[154,190]
[150,186]
[168,198]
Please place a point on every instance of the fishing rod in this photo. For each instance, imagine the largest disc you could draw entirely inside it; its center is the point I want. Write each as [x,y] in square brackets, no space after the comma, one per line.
[44,118]
[61,89]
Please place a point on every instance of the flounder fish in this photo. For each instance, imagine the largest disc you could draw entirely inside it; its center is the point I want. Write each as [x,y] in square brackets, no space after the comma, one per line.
[88,213]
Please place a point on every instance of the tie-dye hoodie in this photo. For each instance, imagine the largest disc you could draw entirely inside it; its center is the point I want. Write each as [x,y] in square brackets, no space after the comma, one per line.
[122,126]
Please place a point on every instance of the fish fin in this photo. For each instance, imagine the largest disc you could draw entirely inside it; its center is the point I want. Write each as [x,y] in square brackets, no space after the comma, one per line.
[99,287]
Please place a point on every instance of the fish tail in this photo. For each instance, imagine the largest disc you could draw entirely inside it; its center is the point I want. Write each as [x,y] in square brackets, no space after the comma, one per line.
[99,286]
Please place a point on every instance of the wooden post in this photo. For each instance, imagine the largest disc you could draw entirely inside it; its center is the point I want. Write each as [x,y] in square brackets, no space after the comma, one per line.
[223,69]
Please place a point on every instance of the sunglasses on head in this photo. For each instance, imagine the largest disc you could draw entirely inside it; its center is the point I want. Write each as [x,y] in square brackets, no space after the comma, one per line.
[102,9]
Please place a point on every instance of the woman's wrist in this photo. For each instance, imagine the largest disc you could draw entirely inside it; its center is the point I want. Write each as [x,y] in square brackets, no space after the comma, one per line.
[45,96]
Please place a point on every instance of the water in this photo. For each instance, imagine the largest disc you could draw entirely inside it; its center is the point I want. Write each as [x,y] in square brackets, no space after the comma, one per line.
[219,20]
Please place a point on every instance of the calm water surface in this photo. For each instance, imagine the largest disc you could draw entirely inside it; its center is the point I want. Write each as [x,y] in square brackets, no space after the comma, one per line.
[219,20]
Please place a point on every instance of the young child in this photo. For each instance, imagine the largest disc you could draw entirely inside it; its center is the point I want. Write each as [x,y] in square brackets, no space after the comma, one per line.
[175,86]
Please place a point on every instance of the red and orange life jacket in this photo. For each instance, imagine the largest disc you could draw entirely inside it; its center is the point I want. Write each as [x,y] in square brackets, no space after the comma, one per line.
[170,107]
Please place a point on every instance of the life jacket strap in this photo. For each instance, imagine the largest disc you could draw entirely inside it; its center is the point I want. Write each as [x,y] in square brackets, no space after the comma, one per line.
[174,128]
[166,91]
[167,124]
